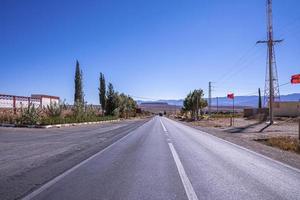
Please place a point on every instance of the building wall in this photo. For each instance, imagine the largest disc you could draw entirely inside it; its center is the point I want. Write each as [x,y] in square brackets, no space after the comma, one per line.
[11,101]
[286,109]
[6,101]
[47,101]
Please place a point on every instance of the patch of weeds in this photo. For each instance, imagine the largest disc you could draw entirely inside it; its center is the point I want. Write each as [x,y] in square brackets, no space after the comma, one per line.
[286,143]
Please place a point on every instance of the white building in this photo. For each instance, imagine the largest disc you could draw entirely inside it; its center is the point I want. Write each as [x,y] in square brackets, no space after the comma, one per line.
[38,100]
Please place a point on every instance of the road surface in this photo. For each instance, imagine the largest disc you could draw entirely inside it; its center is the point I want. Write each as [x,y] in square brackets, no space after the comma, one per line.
[164,159]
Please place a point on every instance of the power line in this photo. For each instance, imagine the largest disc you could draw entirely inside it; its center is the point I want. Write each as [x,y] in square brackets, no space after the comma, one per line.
[238,62]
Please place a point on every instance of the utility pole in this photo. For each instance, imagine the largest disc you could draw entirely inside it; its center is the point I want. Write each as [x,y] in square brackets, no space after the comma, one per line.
[217,105]
[209,98]
[271,77]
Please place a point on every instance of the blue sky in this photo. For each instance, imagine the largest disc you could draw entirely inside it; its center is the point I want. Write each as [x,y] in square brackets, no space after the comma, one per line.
[158,49]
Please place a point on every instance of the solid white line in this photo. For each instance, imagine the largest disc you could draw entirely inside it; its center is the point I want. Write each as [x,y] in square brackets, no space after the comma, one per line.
[61,176]
[189,190]
[165,130]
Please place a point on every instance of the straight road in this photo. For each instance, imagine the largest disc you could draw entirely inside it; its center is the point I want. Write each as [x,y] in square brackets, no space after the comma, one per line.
[164,159]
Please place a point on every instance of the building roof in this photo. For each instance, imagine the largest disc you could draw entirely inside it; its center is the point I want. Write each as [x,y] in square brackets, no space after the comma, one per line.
[43,96]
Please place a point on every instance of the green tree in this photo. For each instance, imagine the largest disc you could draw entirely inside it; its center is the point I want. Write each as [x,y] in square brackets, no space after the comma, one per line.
[126,106]
[102,92]
[111,100]
[194,103]
[78,96]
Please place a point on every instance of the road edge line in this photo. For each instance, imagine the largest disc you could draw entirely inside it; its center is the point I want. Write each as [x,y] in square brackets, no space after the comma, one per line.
[189,190]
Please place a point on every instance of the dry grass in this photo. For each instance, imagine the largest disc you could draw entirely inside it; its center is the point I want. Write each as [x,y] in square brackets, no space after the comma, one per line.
[285,143]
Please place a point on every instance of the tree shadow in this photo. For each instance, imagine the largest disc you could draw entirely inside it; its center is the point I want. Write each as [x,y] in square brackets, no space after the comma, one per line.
[268,125]
[242,128]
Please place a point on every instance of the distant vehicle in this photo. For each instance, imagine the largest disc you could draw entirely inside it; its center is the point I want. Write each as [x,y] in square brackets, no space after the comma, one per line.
[160,114]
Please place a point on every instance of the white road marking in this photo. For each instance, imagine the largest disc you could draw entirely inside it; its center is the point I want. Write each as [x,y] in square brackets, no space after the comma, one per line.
[165,130]
[189,190]
[58,178]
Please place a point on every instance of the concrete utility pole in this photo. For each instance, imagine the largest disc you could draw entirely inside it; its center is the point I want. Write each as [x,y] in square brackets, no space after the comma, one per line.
[271,77]
[217,105]
[209,98]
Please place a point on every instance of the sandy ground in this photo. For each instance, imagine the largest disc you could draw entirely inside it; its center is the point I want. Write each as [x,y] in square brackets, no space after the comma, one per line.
[30,157]
[252,128]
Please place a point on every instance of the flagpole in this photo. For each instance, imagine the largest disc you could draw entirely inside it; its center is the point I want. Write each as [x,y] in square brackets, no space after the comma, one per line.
[233,111]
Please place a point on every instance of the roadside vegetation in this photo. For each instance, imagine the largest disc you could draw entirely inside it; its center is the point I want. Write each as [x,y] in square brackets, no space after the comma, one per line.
[112,105]
[284,143]
[193,105]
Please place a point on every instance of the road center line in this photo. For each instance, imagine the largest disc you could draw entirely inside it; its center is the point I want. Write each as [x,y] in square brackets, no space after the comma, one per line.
[165,130]
[162,124]
[189,190]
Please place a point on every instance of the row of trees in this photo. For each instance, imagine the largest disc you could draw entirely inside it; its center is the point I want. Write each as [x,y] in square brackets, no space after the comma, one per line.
[194,103]
[112,103]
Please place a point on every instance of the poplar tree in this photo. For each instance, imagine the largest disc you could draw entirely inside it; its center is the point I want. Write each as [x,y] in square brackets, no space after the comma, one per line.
[78,95]
[102,92]
[111,101]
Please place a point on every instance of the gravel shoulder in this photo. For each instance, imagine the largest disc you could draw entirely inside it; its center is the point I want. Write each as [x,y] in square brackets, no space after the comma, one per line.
[31,157]
[246,132]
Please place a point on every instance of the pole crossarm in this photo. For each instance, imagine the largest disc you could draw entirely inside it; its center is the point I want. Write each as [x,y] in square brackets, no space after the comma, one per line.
[267,41]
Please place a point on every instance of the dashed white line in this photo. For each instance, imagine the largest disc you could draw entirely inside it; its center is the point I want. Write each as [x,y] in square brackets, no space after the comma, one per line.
[165,130]
[189,190]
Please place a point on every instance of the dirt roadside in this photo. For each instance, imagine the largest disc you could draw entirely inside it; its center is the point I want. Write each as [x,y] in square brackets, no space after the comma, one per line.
[246,132]
[31,157]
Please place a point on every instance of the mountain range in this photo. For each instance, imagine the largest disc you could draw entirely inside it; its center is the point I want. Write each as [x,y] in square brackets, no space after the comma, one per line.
[247,101]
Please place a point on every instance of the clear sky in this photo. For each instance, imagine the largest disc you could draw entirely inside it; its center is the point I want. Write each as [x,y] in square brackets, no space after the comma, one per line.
[158,49]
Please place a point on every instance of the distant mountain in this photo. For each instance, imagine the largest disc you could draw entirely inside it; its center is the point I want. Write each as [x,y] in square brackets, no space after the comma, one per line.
[178,102]
[249,101]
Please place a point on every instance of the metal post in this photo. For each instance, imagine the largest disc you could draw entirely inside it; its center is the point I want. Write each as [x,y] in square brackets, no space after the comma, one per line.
[233,111]
[270,48]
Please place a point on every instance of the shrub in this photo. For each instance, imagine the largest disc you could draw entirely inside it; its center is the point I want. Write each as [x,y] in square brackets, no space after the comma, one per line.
[29,116]
[53,110]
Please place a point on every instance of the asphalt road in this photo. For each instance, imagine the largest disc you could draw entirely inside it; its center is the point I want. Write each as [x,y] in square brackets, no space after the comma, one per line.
[31,157]
[164,159]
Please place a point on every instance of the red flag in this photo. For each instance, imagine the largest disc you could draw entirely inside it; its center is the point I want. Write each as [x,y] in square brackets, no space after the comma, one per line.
[295,79]
[230,96]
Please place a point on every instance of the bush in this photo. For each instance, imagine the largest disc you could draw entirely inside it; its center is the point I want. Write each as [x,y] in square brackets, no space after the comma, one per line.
[53,114]
[8,117]
[29,116]
[53,110]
